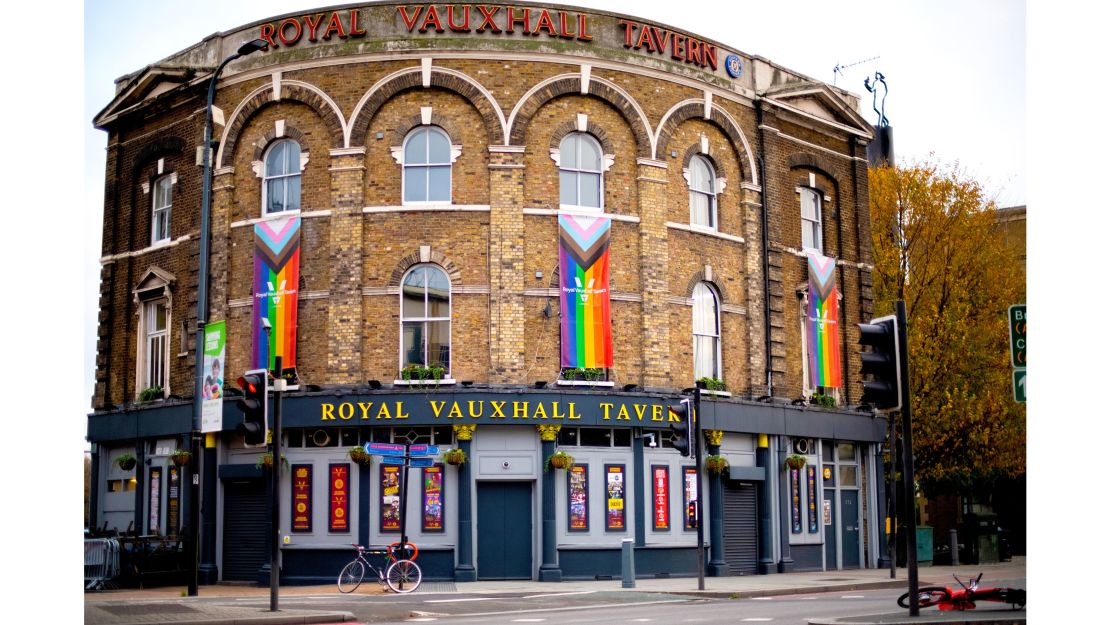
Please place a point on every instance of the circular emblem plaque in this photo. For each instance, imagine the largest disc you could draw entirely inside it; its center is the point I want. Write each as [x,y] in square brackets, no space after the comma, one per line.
[733,66]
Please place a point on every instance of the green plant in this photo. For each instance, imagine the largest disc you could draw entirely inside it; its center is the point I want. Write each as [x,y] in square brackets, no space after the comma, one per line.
[420,372]
[359,455]
[454,456]
[180,457]
[713,384]
[820,399]
[795,461]
[716,463]
[151,394]
[267,460]
[592,374]
[126,461]
[559,460]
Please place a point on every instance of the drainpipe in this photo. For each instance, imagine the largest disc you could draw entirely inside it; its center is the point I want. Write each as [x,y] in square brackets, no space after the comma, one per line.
[766,261]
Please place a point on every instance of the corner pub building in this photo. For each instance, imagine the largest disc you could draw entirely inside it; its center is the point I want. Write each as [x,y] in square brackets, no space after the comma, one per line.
[565,218]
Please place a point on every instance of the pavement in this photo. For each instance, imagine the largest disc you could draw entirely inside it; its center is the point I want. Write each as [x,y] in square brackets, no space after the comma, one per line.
[169,605]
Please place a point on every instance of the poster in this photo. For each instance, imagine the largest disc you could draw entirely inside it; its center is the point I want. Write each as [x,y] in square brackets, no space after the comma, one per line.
[302,498]
[811,497]
[586,329]
[661,517]
[795,502]
[578,512]
[212,385]
[155,520]
[391,498]
[277,265]
[173,501]
[614,497]
[689,495]
[822,329]
[827,510]
[433,499]
[339,479]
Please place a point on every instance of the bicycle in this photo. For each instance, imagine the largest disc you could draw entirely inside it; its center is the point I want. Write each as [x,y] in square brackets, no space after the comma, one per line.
[401,575]
[965,597]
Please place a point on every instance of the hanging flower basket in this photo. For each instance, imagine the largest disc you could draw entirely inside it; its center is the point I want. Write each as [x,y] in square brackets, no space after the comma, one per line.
[454,456]
[559,460]
[126,462]
[266,461]
[359,456]
[716,464]
[180,457]
[795,461]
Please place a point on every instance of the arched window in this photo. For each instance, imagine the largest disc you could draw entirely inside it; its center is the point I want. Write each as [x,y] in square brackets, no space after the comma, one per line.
[811,218]
[281,184]
[426,318]
[163,202]
[427,166]
[707,333]
[703,193]
[580,167]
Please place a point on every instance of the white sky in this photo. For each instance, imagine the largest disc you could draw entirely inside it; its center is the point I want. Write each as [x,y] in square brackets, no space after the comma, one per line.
[957,77]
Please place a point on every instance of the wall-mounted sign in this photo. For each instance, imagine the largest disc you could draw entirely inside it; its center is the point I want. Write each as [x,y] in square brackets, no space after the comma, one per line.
[340,486]
[689,494]
[391,498]
[733,65]
[811,497]
[578,499]
[827,510]
[433,499]
[614,497]
[661,497]
[795,501]
[302,498]
[212,388]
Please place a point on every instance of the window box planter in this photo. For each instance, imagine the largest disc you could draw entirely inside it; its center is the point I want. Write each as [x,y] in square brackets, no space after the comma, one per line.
[151,394]
[822,400]
[713,384]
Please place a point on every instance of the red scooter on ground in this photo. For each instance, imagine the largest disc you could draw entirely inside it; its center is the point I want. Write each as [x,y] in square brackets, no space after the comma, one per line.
[964,598]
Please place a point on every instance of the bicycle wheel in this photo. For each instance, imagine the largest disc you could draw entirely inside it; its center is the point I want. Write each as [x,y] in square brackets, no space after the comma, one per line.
[351,576]
[927,596]
[403,576]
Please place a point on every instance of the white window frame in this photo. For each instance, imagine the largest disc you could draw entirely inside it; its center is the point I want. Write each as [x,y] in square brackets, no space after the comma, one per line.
[161,214]
[579,172]
[424,131]
[284,175]
[153,365]
[711,193]
[424,320]
[814,227]
[715,299]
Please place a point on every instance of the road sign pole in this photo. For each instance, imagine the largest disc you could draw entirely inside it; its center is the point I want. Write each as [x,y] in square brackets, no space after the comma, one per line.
[404,506]
[907,459]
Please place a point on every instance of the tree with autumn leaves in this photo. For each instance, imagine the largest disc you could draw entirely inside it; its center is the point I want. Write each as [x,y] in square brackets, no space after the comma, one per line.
[936,247]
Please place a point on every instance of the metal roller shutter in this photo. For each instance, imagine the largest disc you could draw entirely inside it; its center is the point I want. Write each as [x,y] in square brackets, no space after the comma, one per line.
[246,524]
[740,523]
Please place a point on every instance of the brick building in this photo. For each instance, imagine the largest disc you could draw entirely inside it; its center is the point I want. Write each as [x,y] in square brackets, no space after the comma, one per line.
[433,159]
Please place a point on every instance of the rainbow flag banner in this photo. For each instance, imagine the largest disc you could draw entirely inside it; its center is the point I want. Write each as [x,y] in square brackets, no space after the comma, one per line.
[822,322]
[586,330]
[277,268]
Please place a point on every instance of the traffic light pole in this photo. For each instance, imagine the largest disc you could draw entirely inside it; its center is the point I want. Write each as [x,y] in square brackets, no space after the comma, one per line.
[275,476]
[907,459]
[695,442]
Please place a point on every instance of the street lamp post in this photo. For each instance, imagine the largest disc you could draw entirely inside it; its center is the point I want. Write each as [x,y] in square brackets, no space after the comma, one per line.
[202,316]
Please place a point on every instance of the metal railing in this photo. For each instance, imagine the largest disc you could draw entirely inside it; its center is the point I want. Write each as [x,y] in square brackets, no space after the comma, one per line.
[101,562]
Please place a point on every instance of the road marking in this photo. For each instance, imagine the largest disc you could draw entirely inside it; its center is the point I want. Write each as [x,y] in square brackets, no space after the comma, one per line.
[853,597]
[578,607]
[459,600]
[528,620]
[561,594]
[642,620]
[422,619]
[762,598]
[756,619]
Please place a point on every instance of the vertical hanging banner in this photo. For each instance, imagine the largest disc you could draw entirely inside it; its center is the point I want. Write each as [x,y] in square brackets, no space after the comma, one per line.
[302,498]
[277,268]
[340,487]
[433,498]
[822,322]
[795,502]
[212,389]
[586,329]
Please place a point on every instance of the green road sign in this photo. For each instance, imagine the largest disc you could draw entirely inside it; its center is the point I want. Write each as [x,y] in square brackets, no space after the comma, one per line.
[1017,335]
[1019,385]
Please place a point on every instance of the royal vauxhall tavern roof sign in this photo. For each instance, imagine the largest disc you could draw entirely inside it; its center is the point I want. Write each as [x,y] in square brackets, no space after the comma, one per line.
[531,27]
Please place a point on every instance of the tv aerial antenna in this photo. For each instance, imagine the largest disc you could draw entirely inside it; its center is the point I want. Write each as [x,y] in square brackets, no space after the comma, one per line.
[838,68]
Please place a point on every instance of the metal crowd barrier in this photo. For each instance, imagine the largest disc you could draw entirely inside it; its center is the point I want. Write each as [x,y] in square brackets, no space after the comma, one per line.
[101,562]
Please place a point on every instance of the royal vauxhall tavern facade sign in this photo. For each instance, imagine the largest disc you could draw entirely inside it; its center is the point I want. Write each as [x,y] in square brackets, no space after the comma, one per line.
[504,229]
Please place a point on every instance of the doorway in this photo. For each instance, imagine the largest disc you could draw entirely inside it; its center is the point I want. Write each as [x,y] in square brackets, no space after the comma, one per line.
[504,530]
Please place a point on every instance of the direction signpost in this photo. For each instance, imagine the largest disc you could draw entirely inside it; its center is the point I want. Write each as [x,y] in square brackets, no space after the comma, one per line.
[1017,349]
[407,455]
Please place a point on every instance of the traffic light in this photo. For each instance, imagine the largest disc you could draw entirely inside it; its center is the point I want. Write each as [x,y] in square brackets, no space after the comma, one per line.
[679,424]
[255,385]
[882,363]
[692,514]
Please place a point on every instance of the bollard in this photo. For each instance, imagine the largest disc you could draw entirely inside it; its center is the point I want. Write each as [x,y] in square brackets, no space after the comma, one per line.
[628,565]
[954,547]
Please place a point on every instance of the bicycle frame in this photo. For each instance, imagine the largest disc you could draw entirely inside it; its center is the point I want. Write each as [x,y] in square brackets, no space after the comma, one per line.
[964,597]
